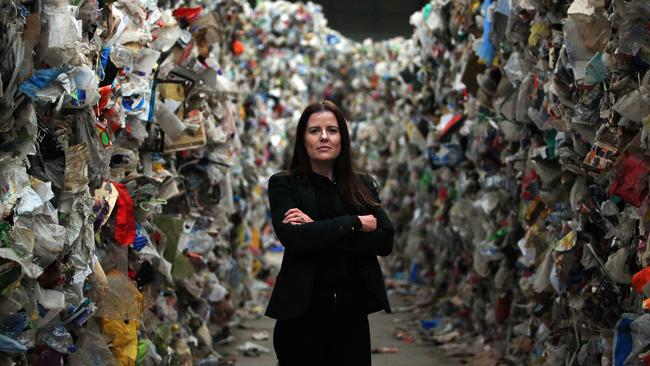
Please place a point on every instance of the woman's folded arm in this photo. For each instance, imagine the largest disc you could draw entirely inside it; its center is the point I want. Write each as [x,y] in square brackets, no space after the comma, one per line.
[380,241]
[308,237]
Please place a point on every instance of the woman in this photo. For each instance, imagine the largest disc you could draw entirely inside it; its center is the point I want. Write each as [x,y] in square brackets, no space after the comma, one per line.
[332,227]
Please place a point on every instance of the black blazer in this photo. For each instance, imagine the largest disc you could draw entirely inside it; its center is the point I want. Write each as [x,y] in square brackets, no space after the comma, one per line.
[293,286]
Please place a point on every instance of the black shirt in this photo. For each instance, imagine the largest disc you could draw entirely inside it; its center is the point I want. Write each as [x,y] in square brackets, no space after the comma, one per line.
[333,266]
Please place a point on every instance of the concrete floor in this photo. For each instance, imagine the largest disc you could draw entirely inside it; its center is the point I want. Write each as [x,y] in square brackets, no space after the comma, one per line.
[382,327]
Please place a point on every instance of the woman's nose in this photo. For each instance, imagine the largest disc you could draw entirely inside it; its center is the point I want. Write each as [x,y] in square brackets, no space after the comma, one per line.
[323,135]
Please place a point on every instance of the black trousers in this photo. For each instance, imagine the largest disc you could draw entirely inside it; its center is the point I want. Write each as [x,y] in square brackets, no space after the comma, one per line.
[334,331]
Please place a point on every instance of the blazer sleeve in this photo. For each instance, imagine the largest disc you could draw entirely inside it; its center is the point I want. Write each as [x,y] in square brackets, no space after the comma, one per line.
[309,237]
[380,241]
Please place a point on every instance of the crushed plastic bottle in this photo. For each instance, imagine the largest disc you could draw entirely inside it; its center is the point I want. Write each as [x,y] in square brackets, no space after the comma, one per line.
[59,339]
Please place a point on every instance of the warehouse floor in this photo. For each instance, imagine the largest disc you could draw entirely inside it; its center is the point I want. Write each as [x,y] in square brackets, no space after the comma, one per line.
[383,328]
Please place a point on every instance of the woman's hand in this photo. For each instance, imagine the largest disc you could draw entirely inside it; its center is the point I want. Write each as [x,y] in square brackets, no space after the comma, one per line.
[368,223]
[296,217]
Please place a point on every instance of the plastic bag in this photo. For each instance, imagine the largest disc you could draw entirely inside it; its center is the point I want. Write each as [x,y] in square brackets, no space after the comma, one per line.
[59,339]
[543,272]
[616,266]
[92,349]
[10,345]
[123,335]
[121,299]
[76,168]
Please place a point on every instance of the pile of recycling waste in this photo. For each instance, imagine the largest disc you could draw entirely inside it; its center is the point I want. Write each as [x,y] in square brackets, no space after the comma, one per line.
[510,139]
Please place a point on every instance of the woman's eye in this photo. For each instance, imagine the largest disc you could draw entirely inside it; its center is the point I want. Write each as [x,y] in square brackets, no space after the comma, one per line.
[316,131]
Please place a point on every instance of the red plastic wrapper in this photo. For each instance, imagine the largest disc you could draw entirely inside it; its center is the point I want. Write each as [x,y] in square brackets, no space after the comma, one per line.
[125,216]
[105,93]
[237,48]
[630,184]
[640,279]
[190,14]
[530,186]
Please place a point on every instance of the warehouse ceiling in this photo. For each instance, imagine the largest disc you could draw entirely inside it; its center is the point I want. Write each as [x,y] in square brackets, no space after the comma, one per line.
[376,19]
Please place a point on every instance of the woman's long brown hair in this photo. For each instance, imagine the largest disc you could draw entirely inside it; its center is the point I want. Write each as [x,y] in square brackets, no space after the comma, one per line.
[350,186]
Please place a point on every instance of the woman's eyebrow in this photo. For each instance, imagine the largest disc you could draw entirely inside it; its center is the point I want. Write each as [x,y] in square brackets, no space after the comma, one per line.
[326,126]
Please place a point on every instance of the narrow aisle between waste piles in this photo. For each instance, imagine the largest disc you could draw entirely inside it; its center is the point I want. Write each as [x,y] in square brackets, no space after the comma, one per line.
[395,340]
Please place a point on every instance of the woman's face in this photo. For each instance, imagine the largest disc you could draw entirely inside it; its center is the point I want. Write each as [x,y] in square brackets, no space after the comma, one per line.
[322,137]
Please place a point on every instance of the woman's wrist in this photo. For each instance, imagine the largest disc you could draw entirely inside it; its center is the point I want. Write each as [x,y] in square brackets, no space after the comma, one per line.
[356,223]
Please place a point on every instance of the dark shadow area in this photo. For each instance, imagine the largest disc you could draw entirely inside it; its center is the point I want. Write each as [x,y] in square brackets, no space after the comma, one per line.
[376,19]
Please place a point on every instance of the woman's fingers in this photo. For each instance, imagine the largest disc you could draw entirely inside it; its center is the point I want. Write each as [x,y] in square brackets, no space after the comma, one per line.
[368,223]
[292,211]
[292,221]
[296,216]
[295,211]
[292,217]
